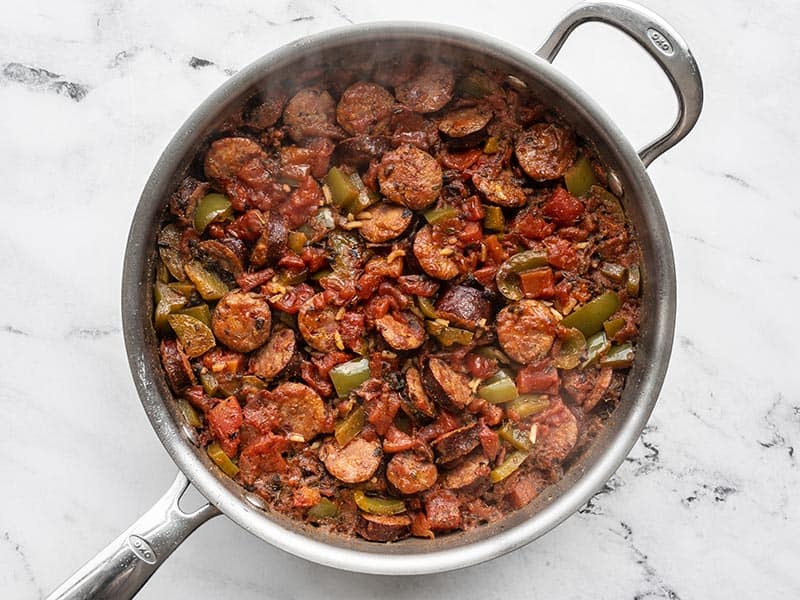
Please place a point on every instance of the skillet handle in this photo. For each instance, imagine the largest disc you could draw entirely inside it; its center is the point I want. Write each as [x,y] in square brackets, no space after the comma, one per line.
[125,565]
[661,41]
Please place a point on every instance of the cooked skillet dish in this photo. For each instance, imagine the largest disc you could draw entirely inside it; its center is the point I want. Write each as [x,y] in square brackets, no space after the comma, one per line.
[396,301]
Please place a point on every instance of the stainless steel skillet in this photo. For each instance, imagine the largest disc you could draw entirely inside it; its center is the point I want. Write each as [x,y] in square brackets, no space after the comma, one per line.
[125,565]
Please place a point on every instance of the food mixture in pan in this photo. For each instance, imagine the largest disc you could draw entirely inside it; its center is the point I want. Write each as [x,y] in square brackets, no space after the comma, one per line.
[397,302]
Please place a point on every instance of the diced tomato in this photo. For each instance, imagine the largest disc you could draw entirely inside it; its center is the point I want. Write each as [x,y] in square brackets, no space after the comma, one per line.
[220,361]
[444,422]
[314,258]
[460,160]
[473,209]
[352,328]
[561,254]
[304,202]
[367,284]
[443,510]
[490,442]
[250,281]
[480,366]
[417,285]
[310,374]
[292,300]
[495,250]
[325,362]
[224,421]
[420,526]
[485,276]
[247,227]
[471,233]
[381,411]
[291,261]
[532,227]
[263,456]
[215,231]
[563,207]
[537,283]
[539,378]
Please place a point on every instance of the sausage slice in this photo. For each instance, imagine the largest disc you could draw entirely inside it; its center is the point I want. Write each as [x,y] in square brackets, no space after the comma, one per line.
[271,243]
[355,463]
[383,528]
[465,121]
[472,472]
[526,330]
[364,108]
[457,443]
[429,89]
[386,222]
[558,442]
[301,409]
[318,325]
[311,113]
[241,320]
[416,393]
[410,176]
[176,366]
[427,250]
[232,159]
[546,151]
[274,356]
[445,385]
[464,306]
[503,189]
[401,330]
[410,475]
[358,151]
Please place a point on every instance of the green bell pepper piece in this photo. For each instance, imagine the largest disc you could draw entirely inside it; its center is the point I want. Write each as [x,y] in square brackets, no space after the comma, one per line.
[212,207]
[324,509]
[579,177]
[510,464]
[208,284]
[508,274]
[589,318]
[499,392]
[494,219]
[201,312]
[350,426]
[515,437]
[596,345]
[528,404]
[618,357]
[222,460]
[349,375]
[378,506]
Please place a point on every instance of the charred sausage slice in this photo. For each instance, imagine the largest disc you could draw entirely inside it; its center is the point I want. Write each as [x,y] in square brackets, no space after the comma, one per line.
[241,320]
[401,330]
[230,158]
[473,471]
[383,528]
[221,256]
[264,110]
[446,386]
[410,176]
[360,150]
[301,409]
[546,151]
[386,222]
[318,325]
[183,202]
[274,356]
[465,121]
[416,393]
[558,441]
[429,89]
[457,443]
[364,108]
[427,250]
[311,113]
[409,474]
[464,306]
[355,463]
[526,330]
[176,366]
[503,189]
[271,245]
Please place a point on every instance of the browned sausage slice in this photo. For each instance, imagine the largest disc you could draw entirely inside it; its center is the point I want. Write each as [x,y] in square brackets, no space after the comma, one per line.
[301,409]
[183,202]
[317,324]
[410,176]
[457,443]
[473,471]
[241,320]
[416,393]
[558,442]
[429,90]
[383,528]
[526,330]
[464,121]
[358,151]
[222,256]
[386,222]
[401,330]
[427,250]
[364,108]
[410,475]
[271,244]
[311,113]
[274,356]
[545,151]
[503,189]
[264,110]
[233,159]
[176,366]
[464,306]
[445,385]
[355,463]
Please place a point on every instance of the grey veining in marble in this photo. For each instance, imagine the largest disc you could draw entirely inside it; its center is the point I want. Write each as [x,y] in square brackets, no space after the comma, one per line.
[706,504]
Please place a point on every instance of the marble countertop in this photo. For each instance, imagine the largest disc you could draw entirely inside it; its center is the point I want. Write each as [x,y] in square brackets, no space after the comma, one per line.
[706,504]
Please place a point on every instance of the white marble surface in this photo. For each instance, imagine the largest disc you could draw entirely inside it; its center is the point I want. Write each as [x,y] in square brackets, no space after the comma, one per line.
[706,505]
